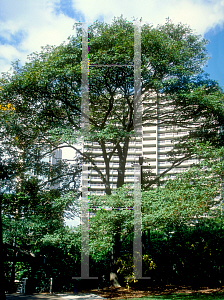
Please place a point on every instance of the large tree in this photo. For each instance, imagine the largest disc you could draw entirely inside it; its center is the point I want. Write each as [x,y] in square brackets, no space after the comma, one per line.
[46,93]
[27,213]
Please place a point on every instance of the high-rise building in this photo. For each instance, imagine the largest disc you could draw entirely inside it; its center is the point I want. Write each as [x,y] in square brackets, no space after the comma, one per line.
[154,144]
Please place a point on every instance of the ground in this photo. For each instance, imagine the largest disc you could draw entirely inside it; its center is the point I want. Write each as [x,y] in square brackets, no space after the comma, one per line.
[117,293]
[122,293]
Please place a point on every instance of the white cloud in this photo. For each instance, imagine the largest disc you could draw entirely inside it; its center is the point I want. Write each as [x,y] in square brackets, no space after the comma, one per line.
[38,25]
[200,15]
[25,25]
[8,52]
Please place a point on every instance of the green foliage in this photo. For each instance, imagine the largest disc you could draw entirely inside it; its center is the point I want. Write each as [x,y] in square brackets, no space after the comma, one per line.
[125,267]
[46,91]
[43,112]
[175,207]
[112,215]
[62,259]
[32,222]
[190,195]
[190,255]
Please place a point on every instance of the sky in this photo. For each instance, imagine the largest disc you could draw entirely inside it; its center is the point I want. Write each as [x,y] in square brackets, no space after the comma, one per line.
[26,25]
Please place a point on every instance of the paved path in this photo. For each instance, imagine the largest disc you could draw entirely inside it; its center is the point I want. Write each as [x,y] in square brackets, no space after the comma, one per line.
[80,296]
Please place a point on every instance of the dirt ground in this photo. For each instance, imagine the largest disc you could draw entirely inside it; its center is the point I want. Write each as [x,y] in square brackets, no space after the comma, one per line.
[122,293]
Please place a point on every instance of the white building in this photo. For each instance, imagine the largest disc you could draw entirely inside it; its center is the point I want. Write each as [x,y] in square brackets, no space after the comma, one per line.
[156,142]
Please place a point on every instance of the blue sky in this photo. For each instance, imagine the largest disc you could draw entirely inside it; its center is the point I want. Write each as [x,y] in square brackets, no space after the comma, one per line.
[216,51]
[26,25]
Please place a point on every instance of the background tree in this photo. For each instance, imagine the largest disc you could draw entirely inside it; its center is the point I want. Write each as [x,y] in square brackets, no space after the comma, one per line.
[9,169]
[192,195]
[29,217]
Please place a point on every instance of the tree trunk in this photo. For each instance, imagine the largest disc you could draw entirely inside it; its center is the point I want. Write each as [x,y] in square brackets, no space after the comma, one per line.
[121,172]
[12,278]
[122,153]
[115,253]
[107,166]
[31,285]
[107,183]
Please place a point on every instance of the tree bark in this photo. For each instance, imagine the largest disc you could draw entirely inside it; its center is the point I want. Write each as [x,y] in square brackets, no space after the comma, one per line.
[115,253]
[107,183]
[122,153]
[107,166]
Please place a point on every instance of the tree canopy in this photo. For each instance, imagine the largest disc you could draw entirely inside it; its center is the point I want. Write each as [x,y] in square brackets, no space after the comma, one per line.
[46,93]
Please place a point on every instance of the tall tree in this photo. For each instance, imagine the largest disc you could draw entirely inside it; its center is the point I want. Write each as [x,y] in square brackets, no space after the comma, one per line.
[46,92]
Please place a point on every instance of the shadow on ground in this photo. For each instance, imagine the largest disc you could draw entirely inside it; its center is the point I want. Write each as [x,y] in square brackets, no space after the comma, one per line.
[80,296]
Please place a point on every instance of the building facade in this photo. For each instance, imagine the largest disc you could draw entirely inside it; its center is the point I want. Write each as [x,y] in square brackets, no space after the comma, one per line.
[154,144]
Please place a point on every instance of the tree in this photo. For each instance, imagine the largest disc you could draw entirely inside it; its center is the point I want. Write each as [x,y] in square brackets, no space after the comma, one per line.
[28,212]
[29,216]
[9,168]
[46,92]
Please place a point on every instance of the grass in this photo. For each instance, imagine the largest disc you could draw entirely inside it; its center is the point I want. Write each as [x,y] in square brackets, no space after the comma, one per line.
[183,297]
